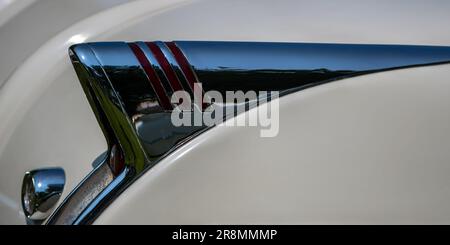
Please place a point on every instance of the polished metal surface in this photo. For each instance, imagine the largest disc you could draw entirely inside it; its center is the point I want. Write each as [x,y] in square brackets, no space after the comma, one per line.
[141,77]
[129,87]
[41,190]
[102,199]
[82,196]
[231,66]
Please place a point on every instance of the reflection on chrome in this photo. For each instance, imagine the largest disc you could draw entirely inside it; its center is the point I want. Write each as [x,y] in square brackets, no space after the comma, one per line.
[41,190]
[129,86]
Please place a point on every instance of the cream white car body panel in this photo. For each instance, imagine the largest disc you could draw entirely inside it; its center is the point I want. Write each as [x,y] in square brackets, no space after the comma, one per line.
[41,87]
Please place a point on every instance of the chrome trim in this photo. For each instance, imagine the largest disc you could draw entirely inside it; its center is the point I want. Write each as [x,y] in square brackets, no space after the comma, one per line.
[175,66]
[111,111]
[281,67]
[103,68]
[94,208]
[127,105]
[82,196]
[41,190]
[157,67]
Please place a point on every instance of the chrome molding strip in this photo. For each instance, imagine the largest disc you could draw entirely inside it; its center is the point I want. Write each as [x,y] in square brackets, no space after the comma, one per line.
[157,67]
[97,204]
[82,196]
[175,67]
[227,66]
[184,64]
[129,85]
[153,73]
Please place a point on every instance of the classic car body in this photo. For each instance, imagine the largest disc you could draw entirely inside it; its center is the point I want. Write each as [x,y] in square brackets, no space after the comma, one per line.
[365,149]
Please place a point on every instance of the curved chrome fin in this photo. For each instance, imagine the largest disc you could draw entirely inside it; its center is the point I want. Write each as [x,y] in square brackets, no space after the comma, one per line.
[130,85]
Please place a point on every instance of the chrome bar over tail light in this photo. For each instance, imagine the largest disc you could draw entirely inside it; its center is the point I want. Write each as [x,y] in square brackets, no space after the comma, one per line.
[130,86]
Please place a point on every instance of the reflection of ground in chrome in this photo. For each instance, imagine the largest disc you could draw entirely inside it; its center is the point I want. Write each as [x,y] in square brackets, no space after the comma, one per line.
[213,109]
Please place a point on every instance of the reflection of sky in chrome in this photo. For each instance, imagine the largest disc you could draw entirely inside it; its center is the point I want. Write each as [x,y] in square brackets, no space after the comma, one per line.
[292,56]
[114,54]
